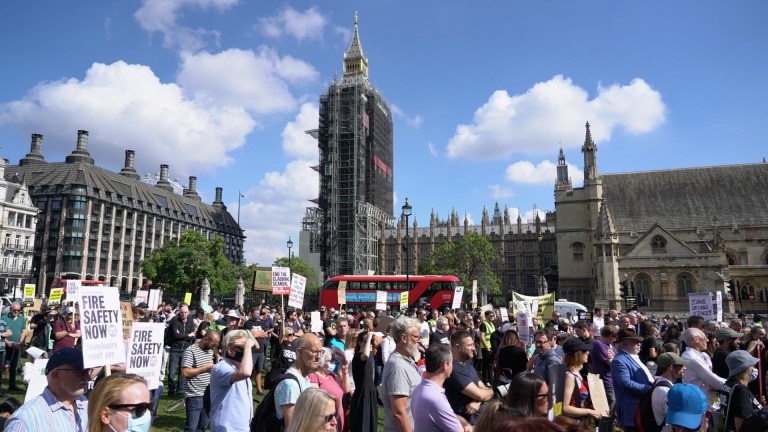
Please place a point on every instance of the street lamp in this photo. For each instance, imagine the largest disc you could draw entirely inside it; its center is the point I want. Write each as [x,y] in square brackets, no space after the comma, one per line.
[290,246]
[407,210]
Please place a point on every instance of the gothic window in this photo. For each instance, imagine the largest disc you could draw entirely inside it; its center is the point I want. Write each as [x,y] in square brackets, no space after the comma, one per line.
[578,251]
[684,285]
[659,244]
[643,285]
[731,259]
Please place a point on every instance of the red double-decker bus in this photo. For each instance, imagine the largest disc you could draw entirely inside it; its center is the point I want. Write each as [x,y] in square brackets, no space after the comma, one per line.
[423,290]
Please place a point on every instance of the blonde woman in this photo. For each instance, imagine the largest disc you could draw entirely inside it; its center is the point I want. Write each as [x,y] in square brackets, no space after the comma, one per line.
[119,403]
[576,394]
[315,411]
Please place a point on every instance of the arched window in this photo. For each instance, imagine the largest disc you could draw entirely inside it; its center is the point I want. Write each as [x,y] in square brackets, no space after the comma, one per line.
[659,244]
[731,259]
[578,251]
[684,285]
[643,285]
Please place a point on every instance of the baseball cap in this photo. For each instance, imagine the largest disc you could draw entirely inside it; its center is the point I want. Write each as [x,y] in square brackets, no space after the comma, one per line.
[233,314]
[65,356]
[573,345]
[726,333]
[686,405]
[738,361]
[668,359]
[143,305]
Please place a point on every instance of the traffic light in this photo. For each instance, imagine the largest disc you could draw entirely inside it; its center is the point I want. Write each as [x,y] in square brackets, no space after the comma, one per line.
[732,289]
[624,289]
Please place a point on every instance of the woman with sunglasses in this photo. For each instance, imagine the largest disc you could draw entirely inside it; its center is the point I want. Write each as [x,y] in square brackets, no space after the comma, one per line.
[119,403]
[316,411]
[530,397]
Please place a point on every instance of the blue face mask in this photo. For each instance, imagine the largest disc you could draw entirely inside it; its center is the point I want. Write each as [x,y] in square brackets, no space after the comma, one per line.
[141,424]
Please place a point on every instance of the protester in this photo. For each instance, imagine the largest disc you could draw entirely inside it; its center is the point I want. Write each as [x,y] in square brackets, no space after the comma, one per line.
[672,369]
[493,412]
[530,397]
[119,402]
[141,313]
[336,385]
[41,325]
[62,407]
[576,394]
[440,335]
[687,408]
[287,392]
[598,320]
[699,370]
[363,408]
[8,406]
[183,335]
[510,357]
[255,325]
[464,388]
[601,356]
[231,390]
[631,378]
[316,411]
[728,342]
[736,401]
[486,330]
[545,341]
[430,408]
[66,330]
[196,365]
[401,375]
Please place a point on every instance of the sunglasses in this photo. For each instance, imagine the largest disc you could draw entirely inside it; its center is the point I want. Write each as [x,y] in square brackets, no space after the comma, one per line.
[137,410]
[330,417]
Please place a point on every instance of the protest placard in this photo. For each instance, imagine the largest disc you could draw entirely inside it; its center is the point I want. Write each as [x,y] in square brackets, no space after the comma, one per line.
[296,295]
[404,300]
[155,296]
[37,379]
[101,326]
[262,279]
[142,296]
[281,281]
[504,315]
[55,297]
[188,298]
[342,290]
[126,310]
[29,294]
[317,323]
[474,294]
[145,352]
[381,300]
[700,303]
[73,290]
[524,328]
[459,291]
[719,301]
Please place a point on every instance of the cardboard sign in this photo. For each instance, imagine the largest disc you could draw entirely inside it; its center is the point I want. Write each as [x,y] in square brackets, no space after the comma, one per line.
[317,323]
[55,297]
[142,296]
[700,304]
[597,393]
[262,279]
[281,281]
[342,291]
[404,300]
[126,309]
[381,300]
[296,295]
[145,352]
[101,325]
[457,294]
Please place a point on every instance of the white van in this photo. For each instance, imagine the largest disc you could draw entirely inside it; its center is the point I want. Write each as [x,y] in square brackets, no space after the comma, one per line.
[563,306]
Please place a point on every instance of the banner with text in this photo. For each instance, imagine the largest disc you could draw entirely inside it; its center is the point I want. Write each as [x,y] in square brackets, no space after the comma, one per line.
[381,300]
[101,326]
[404,300]
[544,307]
[29,294]
[457,294]
[73,290]
[700,303]
[281,281]
[524,327]
[145,352]
[126,310]
[55,297]
[142,296]
[296,295]
[342,291]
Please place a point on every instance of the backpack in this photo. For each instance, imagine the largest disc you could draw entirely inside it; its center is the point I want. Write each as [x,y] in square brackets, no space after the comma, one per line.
[265,417]
[279,366]
[645,421]
[168,338]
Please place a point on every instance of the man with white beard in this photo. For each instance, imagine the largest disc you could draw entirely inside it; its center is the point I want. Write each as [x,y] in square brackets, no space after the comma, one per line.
[401,376]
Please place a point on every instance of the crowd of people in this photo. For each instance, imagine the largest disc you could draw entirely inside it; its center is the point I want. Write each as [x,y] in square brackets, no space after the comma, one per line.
[264,369]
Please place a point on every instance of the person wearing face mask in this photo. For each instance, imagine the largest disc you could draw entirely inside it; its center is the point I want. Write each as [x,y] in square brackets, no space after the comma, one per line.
[736,401]
[196,365]
[335,384]
[62,407]
[120,403]
[231,389]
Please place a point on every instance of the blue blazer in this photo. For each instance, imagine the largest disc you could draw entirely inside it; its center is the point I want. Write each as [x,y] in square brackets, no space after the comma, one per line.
[629,383]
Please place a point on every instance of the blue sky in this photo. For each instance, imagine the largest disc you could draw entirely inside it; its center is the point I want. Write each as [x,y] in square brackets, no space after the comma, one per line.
[484,93]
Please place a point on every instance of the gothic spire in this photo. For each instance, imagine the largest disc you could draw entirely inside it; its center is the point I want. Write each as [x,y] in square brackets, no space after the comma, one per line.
[354,60]
[590,156]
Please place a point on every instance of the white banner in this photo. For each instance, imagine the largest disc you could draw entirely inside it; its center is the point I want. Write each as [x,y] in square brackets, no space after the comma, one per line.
[73,288]
[101,326]
[142,296]
[381,300]
[145,352]
[719,300]
[281,281]
[457,297]
[317,323]
[296,296]
[504,315]
[155,296]
[700,304]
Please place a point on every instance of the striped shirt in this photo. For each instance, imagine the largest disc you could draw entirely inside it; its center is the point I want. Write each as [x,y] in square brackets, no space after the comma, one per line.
[195,357]
[46,413]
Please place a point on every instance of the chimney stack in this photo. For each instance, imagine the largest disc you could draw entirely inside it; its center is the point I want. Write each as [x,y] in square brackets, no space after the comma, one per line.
[80,153]
[218,203]
[191,192]
[35,154]
[163,183]
[129,170]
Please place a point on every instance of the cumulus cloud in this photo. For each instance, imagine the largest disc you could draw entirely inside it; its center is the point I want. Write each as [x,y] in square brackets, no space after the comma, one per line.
[127,106]
[545,172]
[299,25]
[257,81]
[296,142]
[414,121]
[538,120]
[161,16]
[499,192]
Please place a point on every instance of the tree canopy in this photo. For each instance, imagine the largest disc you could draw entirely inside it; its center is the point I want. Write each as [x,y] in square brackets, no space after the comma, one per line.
[469,259]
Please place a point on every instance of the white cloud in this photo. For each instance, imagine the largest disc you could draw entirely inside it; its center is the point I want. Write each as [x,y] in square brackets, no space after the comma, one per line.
[432,149]
[553,111]
[126,106]
[254,80]
[545,172]
[499,192]
[299,25]
[161,16]
[414,121]
[296,142]
[274,208]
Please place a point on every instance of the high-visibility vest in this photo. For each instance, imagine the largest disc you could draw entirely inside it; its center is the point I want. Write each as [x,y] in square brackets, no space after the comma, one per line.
[490,328]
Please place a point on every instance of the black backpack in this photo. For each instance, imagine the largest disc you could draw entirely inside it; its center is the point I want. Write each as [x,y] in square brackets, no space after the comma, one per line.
[168,336]
[265,417]
[645,421]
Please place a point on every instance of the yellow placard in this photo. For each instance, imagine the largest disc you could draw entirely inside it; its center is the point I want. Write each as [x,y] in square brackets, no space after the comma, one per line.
[29,290]
[55,297]
[188,298]
[404,300]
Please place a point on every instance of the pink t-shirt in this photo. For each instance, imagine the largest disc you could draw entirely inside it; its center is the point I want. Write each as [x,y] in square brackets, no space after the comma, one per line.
[330,385]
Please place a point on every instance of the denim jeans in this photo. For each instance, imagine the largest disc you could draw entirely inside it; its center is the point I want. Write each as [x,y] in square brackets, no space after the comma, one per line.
[174,372]
[197,417]
[155,399]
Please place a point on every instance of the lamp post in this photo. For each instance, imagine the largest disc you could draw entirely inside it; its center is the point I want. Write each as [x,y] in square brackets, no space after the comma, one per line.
[407,210]
[290,246]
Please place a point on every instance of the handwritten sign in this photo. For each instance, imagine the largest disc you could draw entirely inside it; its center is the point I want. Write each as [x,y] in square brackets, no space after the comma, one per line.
[281,281]
[145,352]
[457,293]
[55,297]
[700,304]
[155,295]
[142,296]
[296,295]
[101,326]
[404,300]
[381,300]
[126,310]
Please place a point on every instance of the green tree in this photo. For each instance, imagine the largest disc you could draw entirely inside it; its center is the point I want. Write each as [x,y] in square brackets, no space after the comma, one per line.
[468,259]
[183,267]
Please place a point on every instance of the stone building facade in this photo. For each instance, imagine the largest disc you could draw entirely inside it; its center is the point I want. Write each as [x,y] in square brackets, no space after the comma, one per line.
[18,219]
